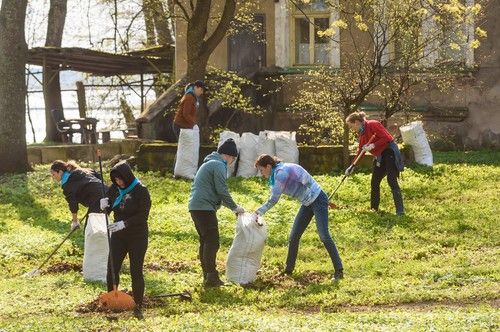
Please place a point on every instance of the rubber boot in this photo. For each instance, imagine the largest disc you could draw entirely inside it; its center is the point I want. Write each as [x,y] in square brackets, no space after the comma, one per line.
[398,202]
[213,280]
[138,312]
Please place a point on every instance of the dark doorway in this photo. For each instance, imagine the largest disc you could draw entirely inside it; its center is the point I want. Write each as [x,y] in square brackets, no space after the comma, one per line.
[247,49]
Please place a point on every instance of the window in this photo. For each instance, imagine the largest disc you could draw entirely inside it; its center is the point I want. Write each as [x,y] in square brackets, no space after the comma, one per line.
[307,47]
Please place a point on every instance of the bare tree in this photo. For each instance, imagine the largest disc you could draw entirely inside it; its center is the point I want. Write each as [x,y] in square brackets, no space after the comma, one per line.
[13,53]
[51,81]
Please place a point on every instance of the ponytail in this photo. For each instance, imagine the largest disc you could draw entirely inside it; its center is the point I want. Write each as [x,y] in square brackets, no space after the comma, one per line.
[68,166]
[356,116]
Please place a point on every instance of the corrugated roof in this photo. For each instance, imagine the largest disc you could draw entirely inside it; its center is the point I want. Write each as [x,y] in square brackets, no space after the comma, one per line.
[149,61]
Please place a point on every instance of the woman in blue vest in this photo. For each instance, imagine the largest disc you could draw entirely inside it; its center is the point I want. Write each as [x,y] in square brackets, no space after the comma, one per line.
[130,202]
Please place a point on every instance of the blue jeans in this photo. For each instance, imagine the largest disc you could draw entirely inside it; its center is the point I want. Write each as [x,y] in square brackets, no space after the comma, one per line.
[318,209]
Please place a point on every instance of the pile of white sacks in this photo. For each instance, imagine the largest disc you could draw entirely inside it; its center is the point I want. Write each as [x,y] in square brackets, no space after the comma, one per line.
[275,143]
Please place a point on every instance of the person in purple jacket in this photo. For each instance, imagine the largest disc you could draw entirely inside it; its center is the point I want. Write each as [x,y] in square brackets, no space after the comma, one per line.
[295,181]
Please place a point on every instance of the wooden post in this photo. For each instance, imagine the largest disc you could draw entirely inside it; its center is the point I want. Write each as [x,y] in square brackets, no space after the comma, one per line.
[82,102]
[142,93]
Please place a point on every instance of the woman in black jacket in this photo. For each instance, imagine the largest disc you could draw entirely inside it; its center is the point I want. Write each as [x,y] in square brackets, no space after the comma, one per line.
[130,202]
[80,186]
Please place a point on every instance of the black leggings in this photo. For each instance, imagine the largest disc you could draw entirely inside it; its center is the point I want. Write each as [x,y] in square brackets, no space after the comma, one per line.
[386,167]
[208,229]
[135,245]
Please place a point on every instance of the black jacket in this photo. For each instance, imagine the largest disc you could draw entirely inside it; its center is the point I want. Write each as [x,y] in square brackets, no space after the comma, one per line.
[83,188]
[134,207]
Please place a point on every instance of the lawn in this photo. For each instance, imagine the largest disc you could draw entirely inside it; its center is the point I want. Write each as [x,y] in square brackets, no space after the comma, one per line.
[437,268]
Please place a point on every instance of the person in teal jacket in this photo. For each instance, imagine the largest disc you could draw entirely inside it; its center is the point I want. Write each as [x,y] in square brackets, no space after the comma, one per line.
[208,192]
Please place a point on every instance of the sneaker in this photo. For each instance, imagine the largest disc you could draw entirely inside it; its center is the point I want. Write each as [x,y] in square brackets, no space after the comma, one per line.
[138,313]
[338,275]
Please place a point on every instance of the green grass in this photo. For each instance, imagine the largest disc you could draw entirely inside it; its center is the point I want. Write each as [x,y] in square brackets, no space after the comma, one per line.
[437,268]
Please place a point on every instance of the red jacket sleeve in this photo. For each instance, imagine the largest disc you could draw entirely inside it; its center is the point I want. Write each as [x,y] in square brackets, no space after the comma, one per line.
[382,136]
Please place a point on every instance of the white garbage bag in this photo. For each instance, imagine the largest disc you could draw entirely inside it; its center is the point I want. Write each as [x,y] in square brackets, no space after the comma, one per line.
[266,143]
[286,147]
[226,134]
[188,149]
[243,260]
[95,255]
[248,155]
[414,135]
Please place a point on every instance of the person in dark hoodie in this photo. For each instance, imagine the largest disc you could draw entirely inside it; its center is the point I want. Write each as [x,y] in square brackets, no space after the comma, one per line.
[80,186]
[208,191]
[387,162]
[130,202]
[185,118]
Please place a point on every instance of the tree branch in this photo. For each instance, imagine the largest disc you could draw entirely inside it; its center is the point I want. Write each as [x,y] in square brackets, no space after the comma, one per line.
[183,9]
[220,31]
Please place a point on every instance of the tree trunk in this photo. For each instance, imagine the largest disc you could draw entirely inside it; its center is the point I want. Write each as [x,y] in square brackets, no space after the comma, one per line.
[162,24]
[51,82]
[13,53]
[197,68]
[149,23]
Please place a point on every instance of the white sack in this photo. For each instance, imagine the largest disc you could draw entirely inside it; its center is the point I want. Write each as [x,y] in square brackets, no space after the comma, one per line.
[95,256]
[243,260]
[248,155]
[286,148]
[188,149]
[414,135]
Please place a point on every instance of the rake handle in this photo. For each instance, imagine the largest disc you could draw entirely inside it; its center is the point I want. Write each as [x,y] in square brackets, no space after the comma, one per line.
[111,263]
[60,244]
[358,157]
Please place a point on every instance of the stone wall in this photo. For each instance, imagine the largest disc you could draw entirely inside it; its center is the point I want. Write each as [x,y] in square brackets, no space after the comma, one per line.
[317,160]
[81,152]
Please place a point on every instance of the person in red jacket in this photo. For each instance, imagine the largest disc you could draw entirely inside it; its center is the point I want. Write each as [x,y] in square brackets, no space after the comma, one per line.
[185,118]
[387,157]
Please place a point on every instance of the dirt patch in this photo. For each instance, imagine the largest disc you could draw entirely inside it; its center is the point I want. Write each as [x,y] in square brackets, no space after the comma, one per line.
[171,267]
[413,306]
[274,278]
[62,267]
[93,306]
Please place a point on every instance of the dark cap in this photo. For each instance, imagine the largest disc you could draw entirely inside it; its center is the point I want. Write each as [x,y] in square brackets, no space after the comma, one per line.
[199,83]
[229,148]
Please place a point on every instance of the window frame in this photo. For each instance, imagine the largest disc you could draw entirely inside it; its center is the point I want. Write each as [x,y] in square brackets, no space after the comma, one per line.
[312,37]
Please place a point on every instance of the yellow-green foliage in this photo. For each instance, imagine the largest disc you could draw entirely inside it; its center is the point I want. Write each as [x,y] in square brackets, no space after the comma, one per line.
[435,269]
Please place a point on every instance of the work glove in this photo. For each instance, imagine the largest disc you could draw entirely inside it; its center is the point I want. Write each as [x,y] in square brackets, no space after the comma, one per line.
[104,203]
[349,170]
[239,210]
[196,128]
[116,226]
[75,224]
[368,147]
[256,218]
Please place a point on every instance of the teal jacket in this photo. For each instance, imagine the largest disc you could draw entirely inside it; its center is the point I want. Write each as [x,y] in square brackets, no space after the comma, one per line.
[209,188]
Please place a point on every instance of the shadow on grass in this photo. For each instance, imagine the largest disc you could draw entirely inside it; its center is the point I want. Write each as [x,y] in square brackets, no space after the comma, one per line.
[480,157]
[14,191]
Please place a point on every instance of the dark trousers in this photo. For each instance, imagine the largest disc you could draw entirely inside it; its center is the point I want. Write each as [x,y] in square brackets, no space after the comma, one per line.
[387,167]
[135,245]
[319,210]
[208,230]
